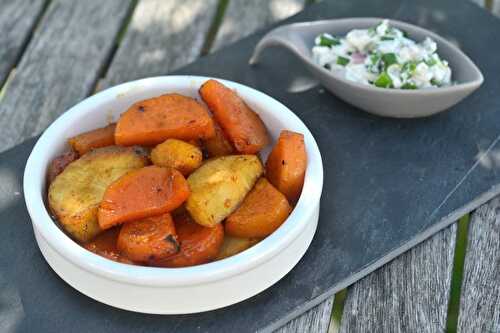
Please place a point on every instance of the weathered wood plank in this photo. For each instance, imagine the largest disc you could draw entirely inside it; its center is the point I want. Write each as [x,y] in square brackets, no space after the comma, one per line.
[409,294]
[244,17]
[241,19]
[60,66]
[315,320]
[162,36]
[492,5]
[17,21]
[496,7]
[480,299]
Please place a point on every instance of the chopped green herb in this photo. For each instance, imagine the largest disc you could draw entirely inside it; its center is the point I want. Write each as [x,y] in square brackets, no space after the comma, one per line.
[430,62]
[409,85]
[383,81]
[371,31]
[325,40]
[374,58]
[386,38]
[405,33]
[409,67]
[342,61]
[389,59]
[435,82]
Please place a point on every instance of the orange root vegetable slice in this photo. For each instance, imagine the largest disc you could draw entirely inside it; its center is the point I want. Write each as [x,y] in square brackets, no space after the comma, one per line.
[142,193]
[261,213]
[148,240]
[242,125]
[199,244]
[105,246]
[219,145]
[286,165]
[101,137]
[170,116]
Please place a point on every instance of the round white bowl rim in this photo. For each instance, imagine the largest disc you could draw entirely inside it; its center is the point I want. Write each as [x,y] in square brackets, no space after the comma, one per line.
[171,277]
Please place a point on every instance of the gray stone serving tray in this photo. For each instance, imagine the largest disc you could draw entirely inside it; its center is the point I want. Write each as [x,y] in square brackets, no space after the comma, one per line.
[389,183]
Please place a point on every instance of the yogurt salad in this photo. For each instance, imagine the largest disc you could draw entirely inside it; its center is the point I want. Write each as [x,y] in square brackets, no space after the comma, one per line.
[383,56]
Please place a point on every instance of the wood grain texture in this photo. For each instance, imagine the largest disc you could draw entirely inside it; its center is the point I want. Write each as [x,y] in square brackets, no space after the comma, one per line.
[17,21]
[60,66]
[315,320]
[480,299]
[492,5]
[245,17]
[496,7]
[409,294]
[162,36]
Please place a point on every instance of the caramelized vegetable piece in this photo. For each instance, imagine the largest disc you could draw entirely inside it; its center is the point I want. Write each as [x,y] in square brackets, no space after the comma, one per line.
[97,138]
[286,165]
[105,246]
[220,185]
[261,213]
[75,194]
[148,240]
[241,124]
[235,245]
[59,163]
[142,193]
[177,154]
[199,244]
[219,145]
[170,116]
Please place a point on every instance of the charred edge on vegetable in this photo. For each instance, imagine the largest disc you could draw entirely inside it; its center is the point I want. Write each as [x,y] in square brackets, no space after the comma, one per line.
[140,108]
[174,242]
[140,151]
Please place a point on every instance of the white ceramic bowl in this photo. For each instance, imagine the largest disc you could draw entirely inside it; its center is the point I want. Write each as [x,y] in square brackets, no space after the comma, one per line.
[170,290]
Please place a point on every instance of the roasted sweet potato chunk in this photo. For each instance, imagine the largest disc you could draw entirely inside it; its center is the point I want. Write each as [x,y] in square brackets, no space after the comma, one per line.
[261,213]
[177,154]
[60,163]
[219,186]
[101,137]
[199,244]
[235,245]
[105,246]
[75,194]
[148,240]
[170,116]
[242,125]
[286,165]
[219,145]
[142,193]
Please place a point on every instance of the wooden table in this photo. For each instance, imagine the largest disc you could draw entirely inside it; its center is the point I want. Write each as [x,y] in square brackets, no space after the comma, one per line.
[55,53]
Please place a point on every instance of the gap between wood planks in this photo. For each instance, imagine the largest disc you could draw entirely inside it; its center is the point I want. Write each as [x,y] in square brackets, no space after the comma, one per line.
[457,274]
[123,30]
[36,24]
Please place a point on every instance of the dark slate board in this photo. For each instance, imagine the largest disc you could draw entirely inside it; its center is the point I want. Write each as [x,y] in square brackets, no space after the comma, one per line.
[389,184]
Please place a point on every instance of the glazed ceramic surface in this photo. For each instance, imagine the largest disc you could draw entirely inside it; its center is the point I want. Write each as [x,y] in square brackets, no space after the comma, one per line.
[299,38]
